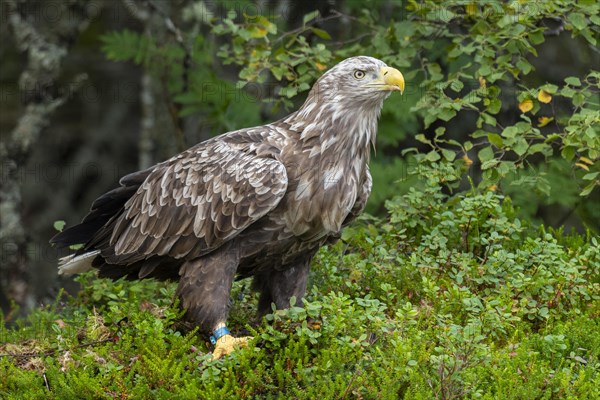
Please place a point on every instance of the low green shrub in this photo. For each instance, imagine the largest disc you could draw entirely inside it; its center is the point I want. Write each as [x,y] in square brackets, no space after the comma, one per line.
[452,296]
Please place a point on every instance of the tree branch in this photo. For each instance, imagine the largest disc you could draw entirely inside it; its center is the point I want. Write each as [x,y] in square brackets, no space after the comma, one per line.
[37,84]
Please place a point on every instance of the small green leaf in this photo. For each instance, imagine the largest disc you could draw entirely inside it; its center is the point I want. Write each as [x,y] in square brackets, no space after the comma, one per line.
[422,138]
[589,37]
[494,106]
[491,175]
[578,20]
[446,114]
[310,16]
[567,92]
[552,137]
[487,119]
[433,156]
[59,225]
[550,88]
[588,189]
[254,32]
[524,66]
[521,146]
[457,85]
[578,99]
[449,154]
[573,81]
[495,139]
[489,164]
[485,154]
[510,132]
[539,148]
[321,33]
[568,153]
[485,70]
[536,37]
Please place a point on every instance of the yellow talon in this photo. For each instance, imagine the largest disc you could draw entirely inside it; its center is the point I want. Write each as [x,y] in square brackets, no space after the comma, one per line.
[227,344]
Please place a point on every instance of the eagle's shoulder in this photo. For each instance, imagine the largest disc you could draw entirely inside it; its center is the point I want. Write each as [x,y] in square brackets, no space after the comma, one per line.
[264,141]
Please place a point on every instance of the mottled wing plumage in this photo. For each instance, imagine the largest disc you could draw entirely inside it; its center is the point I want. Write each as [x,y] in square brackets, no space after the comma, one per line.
[195,202]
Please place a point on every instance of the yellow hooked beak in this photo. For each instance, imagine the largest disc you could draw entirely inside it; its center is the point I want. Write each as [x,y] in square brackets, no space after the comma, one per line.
[389,79]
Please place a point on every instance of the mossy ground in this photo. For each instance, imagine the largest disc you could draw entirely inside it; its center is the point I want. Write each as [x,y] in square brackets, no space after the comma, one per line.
[450,298]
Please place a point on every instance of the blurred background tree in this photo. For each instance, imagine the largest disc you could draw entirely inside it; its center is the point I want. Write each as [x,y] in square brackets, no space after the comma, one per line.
[501,96]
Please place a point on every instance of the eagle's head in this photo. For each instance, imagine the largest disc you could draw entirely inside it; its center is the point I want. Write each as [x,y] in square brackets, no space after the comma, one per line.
[357,82]
[344,104]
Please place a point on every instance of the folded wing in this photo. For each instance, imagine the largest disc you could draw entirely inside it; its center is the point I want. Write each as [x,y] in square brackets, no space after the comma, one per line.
[192,204]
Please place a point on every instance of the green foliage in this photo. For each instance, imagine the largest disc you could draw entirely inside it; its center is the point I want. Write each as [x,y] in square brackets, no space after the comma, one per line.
[186,74]
[486,58]
[257,46]
[126,45]
[472,86]
[452,296]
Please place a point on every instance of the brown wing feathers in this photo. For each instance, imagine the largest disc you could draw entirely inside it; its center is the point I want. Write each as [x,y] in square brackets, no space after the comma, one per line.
[192,204]
[102,211]
[180,209]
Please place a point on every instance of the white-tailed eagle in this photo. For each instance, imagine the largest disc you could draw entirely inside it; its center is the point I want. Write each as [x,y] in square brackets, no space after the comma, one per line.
[256,202]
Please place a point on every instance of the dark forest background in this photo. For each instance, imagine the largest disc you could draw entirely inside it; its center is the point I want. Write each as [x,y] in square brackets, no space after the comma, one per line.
[90,91]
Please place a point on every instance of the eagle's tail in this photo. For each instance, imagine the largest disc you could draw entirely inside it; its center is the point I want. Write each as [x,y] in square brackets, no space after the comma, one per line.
[76,264]
[97,222]
[103,209]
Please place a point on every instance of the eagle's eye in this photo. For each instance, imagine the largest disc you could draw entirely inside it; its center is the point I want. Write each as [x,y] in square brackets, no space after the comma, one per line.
[358,74]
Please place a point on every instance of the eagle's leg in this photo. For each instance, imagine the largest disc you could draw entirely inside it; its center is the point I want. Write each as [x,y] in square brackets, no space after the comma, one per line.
[278,286]
[204,292]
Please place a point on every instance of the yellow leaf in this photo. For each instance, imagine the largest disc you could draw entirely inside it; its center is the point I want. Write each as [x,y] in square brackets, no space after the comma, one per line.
[256,32]
[580,165]
[320,66]
[526,105]
[467,160]
[543,121]
[544,97]
[586,160]
[471,9]
[482,82]
[492,188]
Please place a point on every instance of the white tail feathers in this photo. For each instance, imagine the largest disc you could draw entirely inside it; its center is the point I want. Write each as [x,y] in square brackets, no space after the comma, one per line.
[72,264]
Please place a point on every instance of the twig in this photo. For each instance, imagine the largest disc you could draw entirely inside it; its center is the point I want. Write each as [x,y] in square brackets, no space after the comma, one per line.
[113,338]
[52,352]
[354,375]
[305,27]
[138,12]
[356,39]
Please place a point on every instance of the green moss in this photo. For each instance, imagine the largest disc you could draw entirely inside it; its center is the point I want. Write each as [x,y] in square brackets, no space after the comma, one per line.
[450,297]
